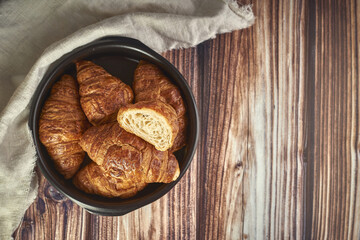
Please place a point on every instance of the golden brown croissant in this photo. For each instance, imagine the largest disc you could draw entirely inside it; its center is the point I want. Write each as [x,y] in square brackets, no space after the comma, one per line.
[101,93]
[128,158]
[61,125]
[93,179]
[150,83]
[154,121]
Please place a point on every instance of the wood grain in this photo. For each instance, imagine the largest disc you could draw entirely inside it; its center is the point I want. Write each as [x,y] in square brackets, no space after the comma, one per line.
[336,149]
[53,216]
[279,149]
[277,121]
[254,132]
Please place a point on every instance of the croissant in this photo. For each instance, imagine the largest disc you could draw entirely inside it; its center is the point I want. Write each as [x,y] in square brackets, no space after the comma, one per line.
[154,121]
[61,125]
[101,94]
[150,83]
[126,157]
[93,179]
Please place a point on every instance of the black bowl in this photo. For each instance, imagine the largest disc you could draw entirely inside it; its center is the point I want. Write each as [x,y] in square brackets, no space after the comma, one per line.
[119,56]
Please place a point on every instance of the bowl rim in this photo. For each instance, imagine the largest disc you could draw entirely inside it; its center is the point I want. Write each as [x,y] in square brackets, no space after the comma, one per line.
[132,45]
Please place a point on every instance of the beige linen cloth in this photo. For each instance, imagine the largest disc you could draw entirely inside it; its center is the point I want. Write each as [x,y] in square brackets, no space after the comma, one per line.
[35,33]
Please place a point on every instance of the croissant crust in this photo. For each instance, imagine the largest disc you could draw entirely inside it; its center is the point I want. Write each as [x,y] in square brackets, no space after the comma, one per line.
[101,93]
[125,158]
[93,179]
[61,125]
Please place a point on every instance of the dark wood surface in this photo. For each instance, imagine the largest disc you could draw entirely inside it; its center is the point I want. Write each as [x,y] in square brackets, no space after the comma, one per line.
[280,140]
[334,132]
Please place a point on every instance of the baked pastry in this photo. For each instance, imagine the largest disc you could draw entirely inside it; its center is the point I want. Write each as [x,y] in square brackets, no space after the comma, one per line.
[150,83]
[154,121]
[128,158]
[93,179]
[101,94]
[61,125]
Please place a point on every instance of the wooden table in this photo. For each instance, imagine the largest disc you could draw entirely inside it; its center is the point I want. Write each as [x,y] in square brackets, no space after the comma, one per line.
[280,141]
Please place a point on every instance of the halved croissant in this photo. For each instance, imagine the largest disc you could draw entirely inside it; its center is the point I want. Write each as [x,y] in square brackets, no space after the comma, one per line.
[150,83]
[61,125]
[154,121]
[127,157]
[101,93]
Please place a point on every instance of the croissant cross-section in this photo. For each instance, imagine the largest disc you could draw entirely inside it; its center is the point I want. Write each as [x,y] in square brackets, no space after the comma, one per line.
[154,121]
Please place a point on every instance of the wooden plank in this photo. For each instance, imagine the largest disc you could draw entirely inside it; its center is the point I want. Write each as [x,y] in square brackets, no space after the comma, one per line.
[277,126]
[253,135]
[224,138]
[336,186]
[53,216]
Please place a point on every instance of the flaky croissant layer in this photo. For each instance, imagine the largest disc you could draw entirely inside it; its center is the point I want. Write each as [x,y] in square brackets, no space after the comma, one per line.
[94,179]
[124,161]
[101,94]
[61,125]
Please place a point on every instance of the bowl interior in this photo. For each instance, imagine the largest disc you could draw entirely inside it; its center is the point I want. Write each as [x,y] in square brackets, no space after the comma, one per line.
[119,56]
